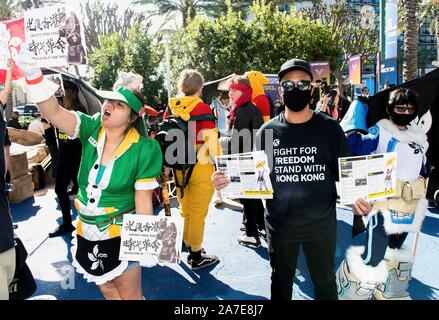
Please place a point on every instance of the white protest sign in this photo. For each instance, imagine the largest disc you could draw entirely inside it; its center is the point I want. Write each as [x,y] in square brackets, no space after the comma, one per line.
[56,36]
[158,236]
[4,52]
[249,175]
[371,177]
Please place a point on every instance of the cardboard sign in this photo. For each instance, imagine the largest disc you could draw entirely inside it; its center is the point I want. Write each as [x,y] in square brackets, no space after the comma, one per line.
[56,36]
[158,236]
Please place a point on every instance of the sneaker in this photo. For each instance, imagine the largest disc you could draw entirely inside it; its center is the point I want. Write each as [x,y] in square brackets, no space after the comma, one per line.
[247,241]
[189,258]
[61,230]
[204,262]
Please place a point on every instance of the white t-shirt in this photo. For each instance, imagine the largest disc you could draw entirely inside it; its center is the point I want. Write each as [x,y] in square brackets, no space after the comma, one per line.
[36,126]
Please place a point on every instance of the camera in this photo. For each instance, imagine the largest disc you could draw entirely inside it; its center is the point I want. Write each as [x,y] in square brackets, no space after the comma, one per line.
[326,89]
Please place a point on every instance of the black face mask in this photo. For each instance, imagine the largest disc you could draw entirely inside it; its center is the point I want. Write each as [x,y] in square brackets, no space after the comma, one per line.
[403,119]
[296,100]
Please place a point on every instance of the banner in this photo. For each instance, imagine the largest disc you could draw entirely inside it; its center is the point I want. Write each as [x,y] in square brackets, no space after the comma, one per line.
[391,29]
[355,70]
[272,87]
[389,72]
[321,70]
[56,36]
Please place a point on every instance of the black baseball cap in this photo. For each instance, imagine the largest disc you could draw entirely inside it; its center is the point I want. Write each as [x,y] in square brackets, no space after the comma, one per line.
[295,64]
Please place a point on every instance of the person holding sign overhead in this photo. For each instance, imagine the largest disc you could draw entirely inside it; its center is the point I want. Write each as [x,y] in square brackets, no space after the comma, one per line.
[382,269]
[117,176]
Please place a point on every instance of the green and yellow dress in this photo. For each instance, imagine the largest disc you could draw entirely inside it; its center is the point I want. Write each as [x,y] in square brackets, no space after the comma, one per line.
[106,195]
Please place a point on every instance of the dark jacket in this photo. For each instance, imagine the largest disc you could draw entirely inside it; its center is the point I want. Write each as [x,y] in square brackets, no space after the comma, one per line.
[241,140]
[6,229]
[13,123]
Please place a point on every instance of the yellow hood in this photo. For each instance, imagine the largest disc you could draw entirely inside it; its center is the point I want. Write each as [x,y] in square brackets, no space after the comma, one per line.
[182,107]
[257,81]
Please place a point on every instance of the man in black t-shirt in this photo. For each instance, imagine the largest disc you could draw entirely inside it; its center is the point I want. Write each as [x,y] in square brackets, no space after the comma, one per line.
[303,148]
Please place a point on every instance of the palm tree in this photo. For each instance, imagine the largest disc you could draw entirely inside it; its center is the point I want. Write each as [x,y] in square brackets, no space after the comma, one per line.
[430,11]
[187,8]
[8,8]
[411,39]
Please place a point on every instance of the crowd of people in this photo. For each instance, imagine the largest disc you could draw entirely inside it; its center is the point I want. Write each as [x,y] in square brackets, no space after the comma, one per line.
[96,146]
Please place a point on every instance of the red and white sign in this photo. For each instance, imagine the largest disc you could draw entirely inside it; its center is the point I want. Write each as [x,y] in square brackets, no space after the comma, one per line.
[54,34]
[11,38]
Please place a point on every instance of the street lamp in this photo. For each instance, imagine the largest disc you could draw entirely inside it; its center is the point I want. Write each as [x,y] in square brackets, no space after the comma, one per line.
[167,35]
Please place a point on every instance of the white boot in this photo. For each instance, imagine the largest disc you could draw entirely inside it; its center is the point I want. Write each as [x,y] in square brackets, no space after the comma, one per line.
[357,281]
[399,264]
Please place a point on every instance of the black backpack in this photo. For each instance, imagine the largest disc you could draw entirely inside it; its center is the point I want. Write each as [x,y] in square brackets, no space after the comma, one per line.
[169,135]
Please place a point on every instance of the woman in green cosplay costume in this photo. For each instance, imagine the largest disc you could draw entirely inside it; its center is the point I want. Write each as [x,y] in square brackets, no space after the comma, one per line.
[117,176]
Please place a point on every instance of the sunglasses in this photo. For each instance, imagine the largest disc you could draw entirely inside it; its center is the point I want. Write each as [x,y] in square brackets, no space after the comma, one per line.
[302,85]
[402,109]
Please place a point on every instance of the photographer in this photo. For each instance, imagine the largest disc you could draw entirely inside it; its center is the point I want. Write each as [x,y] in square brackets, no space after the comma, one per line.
[332,104]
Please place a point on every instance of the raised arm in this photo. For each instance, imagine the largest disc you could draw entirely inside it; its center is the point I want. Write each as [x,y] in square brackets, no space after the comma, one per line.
[41,91]
[4,95]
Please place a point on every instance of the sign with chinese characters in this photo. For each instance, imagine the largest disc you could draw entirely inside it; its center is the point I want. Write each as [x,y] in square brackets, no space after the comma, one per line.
[158,236]
[56,36]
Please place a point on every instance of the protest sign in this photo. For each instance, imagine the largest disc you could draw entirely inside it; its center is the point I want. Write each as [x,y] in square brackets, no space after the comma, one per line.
[13,37]
[158,236]
[368,177]
[56,36]
[249,175]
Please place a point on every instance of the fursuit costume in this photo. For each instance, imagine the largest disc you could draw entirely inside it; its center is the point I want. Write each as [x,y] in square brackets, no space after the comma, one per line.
[382,269]
[198,192]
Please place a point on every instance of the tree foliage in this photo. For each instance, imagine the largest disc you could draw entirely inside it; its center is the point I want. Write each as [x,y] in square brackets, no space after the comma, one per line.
[430,11]
[188,9]
[8,9]
[103,18]
[134,53]
[231,44]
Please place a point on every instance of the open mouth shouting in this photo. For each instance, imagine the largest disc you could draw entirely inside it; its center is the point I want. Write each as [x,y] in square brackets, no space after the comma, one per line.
[106,114]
